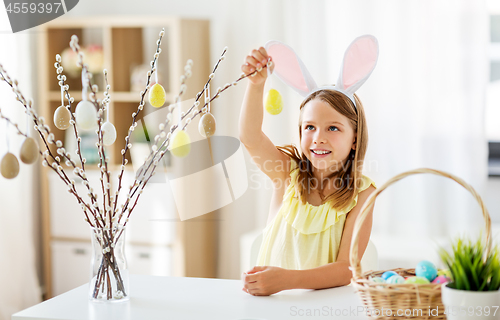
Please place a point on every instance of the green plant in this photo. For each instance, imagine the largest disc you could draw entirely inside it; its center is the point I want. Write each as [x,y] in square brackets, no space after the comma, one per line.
[471,268]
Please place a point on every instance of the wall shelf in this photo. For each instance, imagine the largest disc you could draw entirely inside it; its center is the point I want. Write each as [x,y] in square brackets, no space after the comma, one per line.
[186,249]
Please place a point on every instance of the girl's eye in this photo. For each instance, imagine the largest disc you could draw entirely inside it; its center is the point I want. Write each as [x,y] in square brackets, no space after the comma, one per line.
[309,127]
[333,128]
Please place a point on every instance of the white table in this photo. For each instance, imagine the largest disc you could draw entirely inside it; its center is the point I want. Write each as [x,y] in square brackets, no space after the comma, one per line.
[179,298]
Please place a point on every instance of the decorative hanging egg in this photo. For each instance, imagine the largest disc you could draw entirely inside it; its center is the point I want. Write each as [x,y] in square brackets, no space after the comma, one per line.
[274,102]
[157,95]
[29,151]
[61,118]
[9,166]
[86,115]
[181,144]
[109,133]
[207,125]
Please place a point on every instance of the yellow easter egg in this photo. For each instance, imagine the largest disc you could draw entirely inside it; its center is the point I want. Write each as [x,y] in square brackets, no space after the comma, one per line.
[9,166]
[274,102]
[207,125]
[181,144]
[157,95]
[61,118]
[29,151]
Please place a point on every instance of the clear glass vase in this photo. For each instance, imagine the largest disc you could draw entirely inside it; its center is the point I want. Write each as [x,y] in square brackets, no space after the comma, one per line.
[109,277]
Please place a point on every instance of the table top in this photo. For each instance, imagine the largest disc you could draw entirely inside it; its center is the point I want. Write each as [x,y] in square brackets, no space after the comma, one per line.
[182,298]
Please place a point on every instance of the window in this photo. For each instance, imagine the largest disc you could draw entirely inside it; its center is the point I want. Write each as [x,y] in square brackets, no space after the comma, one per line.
[492,113]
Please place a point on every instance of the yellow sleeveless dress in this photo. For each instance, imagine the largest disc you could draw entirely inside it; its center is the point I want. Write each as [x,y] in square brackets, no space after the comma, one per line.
[303,236]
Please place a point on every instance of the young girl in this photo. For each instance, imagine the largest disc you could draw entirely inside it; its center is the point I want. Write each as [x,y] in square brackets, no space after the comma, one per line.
[318,192]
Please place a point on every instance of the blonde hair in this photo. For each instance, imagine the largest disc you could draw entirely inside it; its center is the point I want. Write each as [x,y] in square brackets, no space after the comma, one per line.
[348,178]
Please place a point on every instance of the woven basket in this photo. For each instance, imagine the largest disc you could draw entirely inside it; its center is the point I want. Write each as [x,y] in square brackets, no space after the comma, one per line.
[378,298]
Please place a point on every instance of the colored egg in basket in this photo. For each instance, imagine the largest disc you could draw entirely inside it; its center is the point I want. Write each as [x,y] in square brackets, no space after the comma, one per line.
[444,272]
[377,280]
[386,275]
[426,269]
[417,280]
[441,279]
[395,279]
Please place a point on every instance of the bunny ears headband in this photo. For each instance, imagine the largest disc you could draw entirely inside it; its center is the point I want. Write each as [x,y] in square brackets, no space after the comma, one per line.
[359,61]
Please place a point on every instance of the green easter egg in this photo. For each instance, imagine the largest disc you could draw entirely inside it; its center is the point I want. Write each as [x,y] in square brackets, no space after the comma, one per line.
[417,280]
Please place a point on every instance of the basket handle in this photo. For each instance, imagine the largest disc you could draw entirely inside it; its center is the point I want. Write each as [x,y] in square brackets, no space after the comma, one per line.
[354,256]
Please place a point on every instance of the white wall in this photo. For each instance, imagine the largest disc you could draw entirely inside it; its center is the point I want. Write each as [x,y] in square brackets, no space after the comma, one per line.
[19,213]
[243,25]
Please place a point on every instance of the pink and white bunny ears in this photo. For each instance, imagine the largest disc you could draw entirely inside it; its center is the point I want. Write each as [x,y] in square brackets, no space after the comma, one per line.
[359,61]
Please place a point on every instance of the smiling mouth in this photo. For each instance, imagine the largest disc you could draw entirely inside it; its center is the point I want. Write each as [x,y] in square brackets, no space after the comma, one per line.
[320,152]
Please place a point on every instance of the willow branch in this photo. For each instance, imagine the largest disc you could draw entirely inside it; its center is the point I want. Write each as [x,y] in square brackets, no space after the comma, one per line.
[79,172]
[134,116]
[43,131]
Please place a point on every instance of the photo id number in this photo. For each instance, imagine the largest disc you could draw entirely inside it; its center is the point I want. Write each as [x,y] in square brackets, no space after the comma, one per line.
[27,7]
[471,311]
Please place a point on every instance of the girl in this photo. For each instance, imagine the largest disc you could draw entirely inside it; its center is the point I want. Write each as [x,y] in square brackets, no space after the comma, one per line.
[319,191]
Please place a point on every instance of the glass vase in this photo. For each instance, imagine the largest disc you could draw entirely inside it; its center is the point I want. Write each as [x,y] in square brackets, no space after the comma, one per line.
[109,276]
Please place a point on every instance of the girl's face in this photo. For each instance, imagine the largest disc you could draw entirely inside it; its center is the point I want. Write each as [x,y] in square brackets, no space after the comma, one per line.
[327,137]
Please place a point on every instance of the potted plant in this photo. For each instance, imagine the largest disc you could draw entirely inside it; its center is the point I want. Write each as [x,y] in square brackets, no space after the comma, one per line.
[474,291]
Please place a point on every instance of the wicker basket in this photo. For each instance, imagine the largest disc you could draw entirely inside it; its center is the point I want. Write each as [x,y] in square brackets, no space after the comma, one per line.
[379,298]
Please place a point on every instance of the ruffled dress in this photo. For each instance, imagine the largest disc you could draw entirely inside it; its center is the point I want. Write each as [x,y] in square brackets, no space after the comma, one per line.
[303,236]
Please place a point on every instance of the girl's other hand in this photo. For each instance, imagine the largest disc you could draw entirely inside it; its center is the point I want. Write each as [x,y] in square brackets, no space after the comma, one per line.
[264,281]
[256,60]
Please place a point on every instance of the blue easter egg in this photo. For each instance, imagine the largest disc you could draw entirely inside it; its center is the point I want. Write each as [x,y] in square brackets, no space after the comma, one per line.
[396,279]
[426,269]
[386,275]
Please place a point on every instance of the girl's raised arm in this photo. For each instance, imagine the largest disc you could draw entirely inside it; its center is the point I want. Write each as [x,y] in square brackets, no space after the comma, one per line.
[270,160]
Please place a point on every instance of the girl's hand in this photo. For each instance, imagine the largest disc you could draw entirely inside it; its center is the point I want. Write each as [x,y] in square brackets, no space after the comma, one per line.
[256,60]
[264,281]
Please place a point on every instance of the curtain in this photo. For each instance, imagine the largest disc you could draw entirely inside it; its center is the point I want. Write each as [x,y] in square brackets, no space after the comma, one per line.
[18,211]
[425,108]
